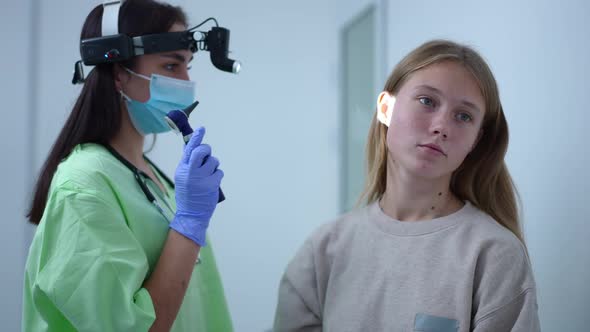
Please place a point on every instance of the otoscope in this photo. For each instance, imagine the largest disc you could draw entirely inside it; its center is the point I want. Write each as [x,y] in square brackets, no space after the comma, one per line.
[178,121]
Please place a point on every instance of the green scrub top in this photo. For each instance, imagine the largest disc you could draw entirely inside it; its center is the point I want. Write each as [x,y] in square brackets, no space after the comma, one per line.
[98,241]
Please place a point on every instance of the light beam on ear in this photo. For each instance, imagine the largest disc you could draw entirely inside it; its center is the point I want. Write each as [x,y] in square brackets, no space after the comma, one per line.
[386,118]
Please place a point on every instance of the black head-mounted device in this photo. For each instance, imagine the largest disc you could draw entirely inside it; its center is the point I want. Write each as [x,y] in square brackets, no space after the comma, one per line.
[115,47]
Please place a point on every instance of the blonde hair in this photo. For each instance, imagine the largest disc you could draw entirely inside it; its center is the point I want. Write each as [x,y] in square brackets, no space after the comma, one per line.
[483,178]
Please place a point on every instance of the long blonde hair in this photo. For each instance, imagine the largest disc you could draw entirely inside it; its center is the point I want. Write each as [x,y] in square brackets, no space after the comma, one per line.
[483,178]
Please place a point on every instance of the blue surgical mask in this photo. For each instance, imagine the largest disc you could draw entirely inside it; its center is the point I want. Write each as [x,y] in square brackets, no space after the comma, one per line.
[166,94]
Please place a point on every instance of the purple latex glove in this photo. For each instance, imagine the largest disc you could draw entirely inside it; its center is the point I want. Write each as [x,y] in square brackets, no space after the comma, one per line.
[197,189]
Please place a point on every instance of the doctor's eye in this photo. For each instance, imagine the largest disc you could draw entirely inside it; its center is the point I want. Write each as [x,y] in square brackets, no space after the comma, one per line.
[426,101]
[171,66]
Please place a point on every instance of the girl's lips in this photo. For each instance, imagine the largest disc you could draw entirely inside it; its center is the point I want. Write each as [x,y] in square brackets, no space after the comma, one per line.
[433,147]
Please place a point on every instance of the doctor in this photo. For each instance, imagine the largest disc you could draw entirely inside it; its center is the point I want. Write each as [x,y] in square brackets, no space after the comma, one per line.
[105,258]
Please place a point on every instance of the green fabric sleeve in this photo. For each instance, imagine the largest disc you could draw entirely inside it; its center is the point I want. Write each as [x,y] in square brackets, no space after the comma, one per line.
[94,274]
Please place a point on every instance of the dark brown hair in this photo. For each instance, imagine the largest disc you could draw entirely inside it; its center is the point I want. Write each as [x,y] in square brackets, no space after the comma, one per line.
[96,115]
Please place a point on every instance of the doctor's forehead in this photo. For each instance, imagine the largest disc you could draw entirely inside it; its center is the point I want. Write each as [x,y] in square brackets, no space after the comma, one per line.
[182,56]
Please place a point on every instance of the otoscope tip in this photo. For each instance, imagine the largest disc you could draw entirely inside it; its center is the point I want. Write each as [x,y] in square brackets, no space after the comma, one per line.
[190,108]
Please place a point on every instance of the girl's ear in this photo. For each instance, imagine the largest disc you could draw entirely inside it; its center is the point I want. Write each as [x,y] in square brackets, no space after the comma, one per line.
[385,103]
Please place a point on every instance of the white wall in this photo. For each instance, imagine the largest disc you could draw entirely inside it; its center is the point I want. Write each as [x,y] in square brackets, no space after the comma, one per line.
[15,27]
[538,51]
[58,39]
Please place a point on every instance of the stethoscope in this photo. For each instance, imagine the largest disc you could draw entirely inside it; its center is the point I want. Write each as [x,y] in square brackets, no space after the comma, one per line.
[140,177]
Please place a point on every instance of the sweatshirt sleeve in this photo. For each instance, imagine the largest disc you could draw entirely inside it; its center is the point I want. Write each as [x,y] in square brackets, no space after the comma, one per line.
[505,292]
[298,307]
[519,315]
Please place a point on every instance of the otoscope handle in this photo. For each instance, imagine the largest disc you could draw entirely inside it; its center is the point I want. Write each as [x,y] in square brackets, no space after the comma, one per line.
[178,121]
[187,138]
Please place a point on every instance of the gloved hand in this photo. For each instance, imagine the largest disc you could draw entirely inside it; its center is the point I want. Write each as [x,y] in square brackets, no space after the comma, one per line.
[197,189]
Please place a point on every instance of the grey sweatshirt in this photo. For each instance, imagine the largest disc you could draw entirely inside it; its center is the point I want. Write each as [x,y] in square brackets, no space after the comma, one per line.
[368,272]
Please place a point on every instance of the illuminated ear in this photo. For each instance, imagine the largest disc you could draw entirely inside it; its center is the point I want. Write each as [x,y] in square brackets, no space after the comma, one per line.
[385,103]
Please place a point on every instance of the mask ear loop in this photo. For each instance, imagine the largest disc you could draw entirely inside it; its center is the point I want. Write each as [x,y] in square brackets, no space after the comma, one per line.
[124,98]
[154,140]
[136,74]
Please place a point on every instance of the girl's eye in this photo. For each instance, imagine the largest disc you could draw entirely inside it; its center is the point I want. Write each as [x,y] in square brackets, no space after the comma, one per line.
[464,117]
[426,101]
